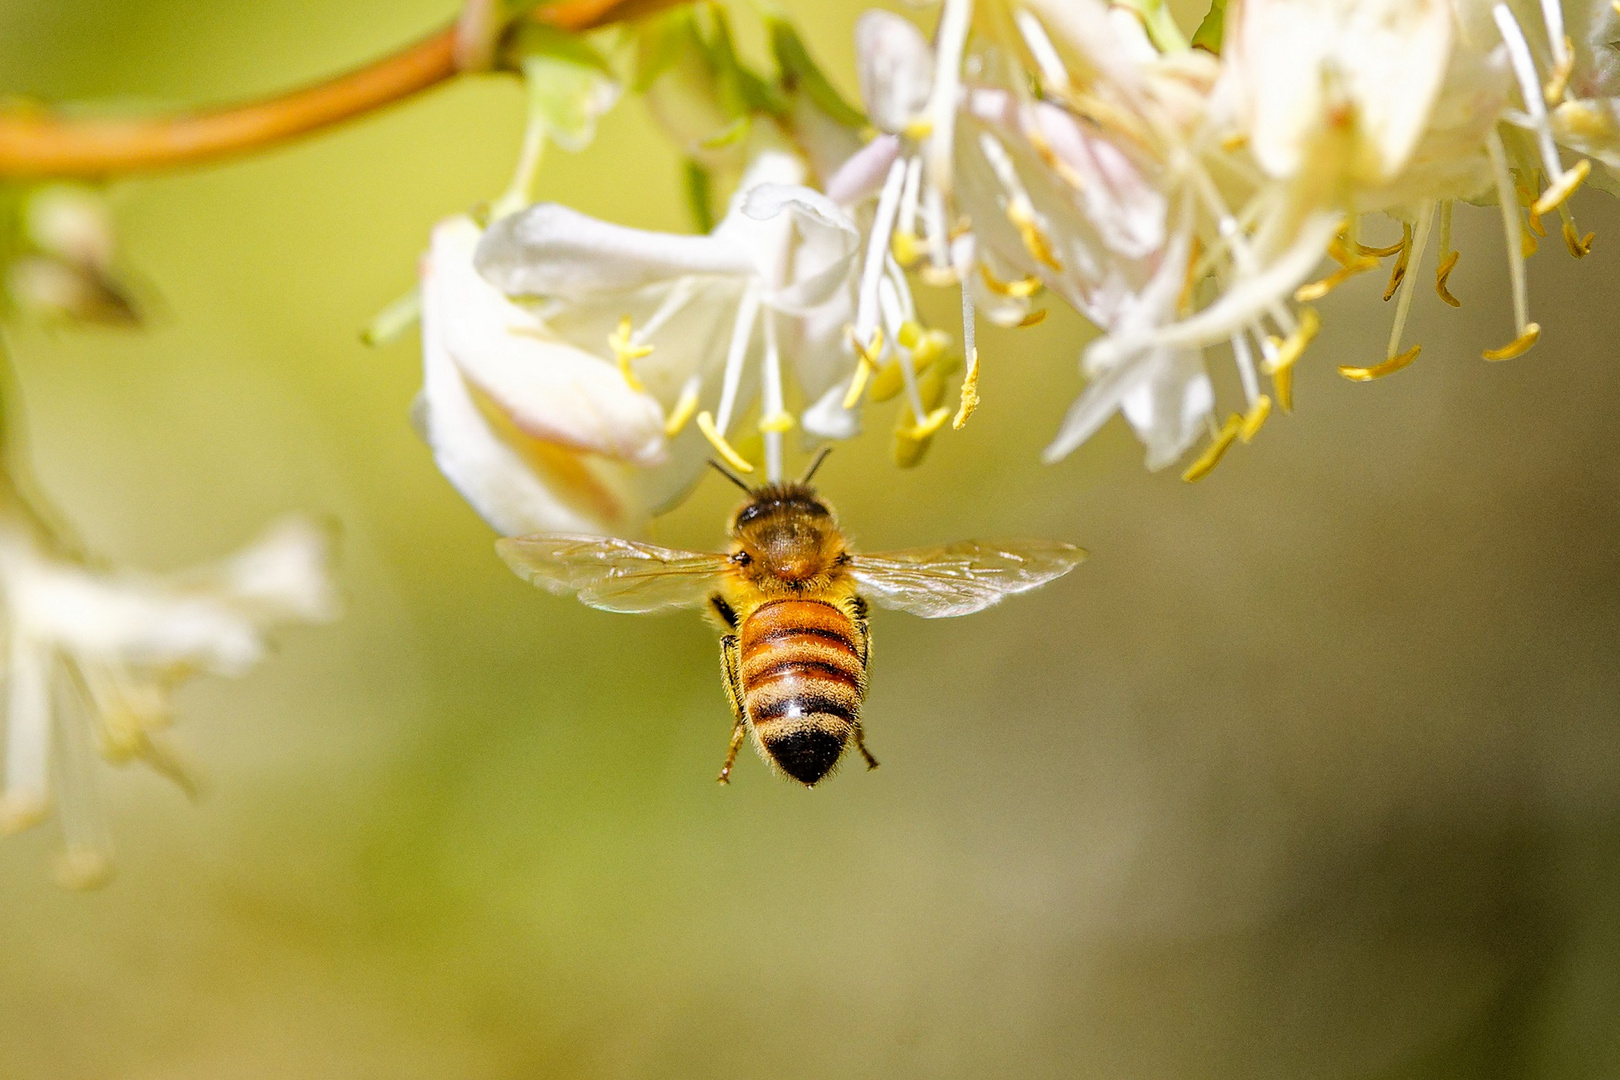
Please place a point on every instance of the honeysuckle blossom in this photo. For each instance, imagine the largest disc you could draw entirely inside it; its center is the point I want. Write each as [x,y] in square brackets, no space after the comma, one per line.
[537,434]
[698,324]
[92,658]
[1245,171]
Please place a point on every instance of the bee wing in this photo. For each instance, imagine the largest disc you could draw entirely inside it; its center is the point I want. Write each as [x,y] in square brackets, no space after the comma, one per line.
[613,574]
[959,579]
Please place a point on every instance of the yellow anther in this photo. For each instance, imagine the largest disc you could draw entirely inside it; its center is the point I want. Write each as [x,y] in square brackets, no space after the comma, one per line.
[926,345]
[685,406]
[930,424]
[1558,82]
[970,393]
[866,358]
[626,350]
[887,382]
[1020,289]
[1315,290]
[1518,346]
[1213,453]
[1022,216]
[1383,252]
[1237,140]
[1442,274]
[1405,255]
[1255,418]
[919,129]
[905,248]
[779,421]
[1579,246]
[1290,349]
[911,441]
[1034,318]
[1527,243]
[1282,381]
[1378,371]
[705,423]
[939,277]
[1562,188]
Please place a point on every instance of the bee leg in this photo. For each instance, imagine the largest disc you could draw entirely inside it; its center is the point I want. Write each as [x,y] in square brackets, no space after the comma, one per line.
[865,632]
[731,670]
[723,611]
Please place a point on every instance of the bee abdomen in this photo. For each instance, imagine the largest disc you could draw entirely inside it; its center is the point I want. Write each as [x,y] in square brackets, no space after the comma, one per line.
[802,681]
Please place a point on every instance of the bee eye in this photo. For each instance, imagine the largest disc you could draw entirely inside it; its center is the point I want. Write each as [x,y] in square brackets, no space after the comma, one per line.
[742,558]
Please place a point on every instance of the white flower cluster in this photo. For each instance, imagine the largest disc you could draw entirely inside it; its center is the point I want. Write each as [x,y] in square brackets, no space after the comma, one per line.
[91,658]
[1191,200]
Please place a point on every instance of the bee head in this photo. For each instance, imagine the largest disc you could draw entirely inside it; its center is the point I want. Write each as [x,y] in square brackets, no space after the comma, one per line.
[786,531]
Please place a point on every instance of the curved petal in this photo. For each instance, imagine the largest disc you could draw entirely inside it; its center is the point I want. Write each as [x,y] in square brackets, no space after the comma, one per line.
[827,247]
[861,176]
[895,68]
[551,250]
[517,483]
[551,390]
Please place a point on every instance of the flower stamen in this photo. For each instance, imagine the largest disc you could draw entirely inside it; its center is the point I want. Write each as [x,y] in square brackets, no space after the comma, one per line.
[626,349]
[1405,255]
[1518,346]
[685,408]
[1579,246]
[1254,419]
[1216,450]
[1290,349]
[1379,370]
[1018,289]
[970,393]
[705,423]
[1510,227]
[1314,290]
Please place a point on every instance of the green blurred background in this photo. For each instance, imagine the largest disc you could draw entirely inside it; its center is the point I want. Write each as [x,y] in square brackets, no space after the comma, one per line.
[1312,771]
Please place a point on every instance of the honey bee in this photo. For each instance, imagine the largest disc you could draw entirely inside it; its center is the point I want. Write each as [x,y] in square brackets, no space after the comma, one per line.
[791,600]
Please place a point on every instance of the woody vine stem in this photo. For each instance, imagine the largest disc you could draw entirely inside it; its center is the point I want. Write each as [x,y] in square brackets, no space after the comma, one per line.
[37,145]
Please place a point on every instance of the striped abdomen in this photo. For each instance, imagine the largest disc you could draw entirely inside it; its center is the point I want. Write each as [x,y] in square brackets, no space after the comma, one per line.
[802,683]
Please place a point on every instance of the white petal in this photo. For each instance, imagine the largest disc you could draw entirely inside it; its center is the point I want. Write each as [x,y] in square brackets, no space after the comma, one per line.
[895,66]
[283,575]
[1306,64]
[126,620]
[1245,301]
[551,250]
[1097,402]
[28,732]
[828,419]
[861,177]
[1170,409]
[549,388]
[548,489]
[828,241]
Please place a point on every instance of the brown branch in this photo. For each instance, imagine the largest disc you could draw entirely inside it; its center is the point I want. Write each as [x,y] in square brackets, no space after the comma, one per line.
[36,145]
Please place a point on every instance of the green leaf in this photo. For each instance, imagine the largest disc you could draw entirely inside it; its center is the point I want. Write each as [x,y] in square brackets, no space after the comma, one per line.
[698,187]
[799,71]
[1210,32]
[1161,26]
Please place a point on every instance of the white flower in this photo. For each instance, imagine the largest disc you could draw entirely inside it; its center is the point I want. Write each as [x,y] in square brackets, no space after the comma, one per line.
[536,434]
[682,315]
[93,655]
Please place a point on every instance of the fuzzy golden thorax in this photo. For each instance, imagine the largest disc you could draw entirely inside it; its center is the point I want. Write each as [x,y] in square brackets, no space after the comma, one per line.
[785,539]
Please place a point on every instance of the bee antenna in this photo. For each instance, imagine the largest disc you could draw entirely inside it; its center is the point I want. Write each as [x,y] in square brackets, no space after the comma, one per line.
[816,464]
[727,473]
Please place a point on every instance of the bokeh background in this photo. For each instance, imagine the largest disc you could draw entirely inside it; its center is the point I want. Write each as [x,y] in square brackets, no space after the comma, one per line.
[1312,771]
